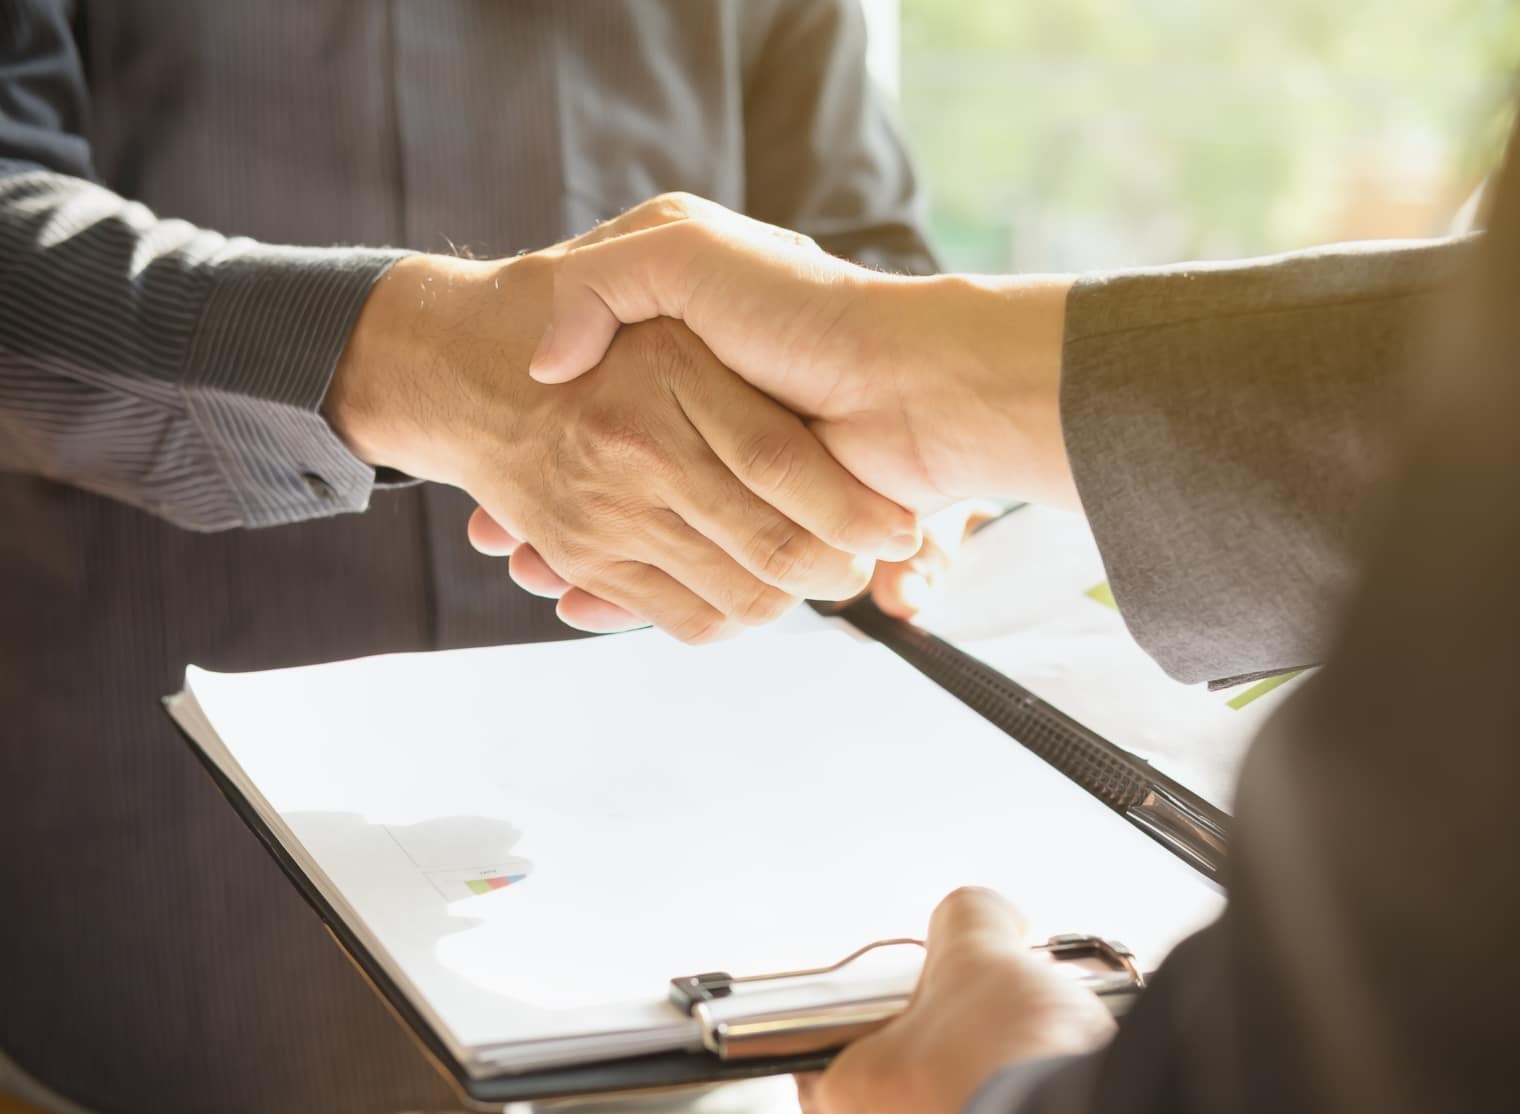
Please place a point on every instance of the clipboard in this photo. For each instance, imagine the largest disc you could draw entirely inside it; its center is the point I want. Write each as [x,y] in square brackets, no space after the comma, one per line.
[743,1042]
[736,1028]
[1181,820]
[662,1070]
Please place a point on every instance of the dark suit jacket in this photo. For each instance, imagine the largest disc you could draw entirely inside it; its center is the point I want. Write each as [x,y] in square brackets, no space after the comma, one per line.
[1268,488]
[156,375]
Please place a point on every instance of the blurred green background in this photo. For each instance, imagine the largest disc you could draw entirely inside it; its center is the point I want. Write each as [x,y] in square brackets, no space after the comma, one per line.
[1073,134]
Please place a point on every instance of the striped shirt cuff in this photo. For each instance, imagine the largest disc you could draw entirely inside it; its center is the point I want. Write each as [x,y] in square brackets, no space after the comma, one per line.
[259,363]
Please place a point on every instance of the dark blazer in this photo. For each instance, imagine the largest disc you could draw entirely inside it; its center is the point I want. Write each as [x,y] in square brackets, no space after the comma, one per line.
[160,377]
[1269,487]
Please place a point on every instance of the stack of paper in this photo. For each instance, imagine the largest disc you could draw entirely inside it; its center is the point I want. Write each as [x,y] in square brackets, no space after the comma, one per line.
[534,840]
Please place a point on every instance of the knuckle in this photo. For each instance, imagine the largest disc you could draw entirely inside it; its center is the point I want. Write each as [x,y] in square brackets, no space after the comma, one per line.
[784,553]
[625,442]
[763,605]
[629,578]
[684,201]
[855,520]
[770,460]
[602,504]
[663,345]
[666,208]
[572,560]
[671,358]
[699,626]
[614,512]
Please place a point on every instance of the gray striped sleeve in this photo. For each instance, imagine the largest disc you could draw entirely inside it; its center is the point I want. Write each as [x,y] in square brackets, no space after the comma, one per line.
[170,367]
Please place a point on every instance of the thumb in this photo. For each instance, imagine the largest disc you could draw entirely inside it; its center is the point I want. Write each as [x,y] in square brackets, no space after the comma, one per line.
[618,281]
[580,330]
[973,919]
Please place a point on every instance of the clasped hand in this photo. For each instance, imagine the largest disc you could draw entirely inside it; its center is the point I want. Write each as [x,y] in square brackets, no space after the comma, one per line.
[661,489]
[852,351]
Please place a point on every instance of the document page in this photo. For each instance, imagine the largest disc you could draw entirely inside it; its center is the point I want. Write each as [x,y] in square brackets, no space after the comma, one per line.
[1029,596]
[535,839]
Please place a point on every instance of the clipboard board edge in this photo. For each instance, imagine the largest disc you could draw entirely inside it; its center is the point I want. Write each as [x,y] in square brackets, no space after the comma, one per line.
[643,1073]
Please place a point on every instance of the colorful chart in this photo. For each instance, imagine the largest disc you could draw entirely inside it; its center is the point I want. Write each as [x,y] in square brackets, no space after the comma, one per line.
[486,885]
[464,885]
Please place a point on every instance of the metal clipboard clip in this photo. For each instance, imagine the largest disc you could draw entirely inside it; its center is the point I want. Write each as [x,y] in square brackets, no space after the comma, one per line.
[734,1029]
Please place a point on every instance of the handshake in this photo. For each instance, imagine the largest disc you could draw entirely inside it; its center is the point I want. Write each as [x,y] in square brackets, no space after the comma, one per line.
[691,419]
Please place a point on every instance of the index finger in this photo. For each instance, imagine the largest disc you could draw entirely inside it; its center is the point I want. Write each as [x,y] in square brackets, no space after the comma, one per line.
[774,454]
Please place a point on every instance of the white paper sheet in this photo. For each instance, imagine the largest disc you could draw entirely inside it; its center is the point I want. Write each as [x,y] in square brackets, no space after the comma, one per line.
[1027,597]
[766,804]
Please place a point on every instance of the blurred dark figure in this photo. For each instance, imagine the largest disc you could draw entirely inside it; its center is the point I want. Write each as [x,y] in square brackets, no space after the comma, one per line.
[151,956]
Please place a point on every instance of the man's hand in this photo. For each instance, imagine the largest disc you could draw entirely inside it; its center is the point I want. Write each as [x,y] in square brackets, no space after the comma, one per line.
[906,588]
[983,1002]
[928,389]
[662,486]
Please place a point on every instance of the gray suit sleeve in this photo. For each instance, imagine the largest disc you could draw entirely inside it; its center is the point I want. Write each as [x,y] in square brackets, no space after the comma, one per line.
[1225,424]
[144,359]
[823,153]
[1376,817]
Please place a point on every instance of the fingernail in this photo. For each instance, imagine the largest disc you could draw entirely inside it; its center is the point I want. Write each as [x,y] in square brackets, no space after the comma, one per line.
[900,547]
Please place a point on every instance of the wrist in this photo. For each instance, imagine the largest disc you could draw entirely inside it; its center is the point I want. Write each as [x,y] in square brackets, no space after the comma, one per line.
[402,388]
[369,404]
[978,363]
